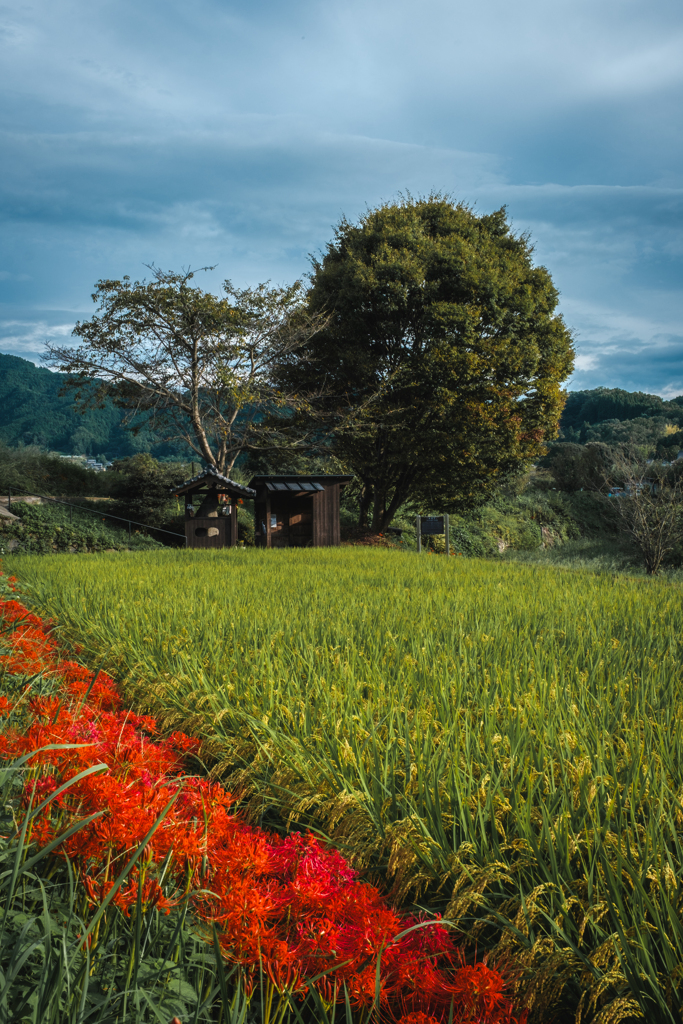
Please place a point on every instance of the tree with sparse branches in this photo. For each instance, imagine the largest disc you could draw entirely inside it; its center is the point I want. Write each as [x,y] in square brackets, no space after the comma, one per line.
[647,504]
[191,365]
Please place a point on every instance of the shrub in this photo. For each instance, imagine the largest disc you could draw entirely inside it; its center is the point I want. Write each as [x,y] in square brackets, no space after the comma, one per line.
[32,470]
[51,527]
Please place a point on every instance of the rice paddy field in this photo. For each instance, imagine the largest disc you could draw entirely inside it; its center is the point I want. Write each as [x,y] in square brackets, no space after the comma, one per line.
[495,741]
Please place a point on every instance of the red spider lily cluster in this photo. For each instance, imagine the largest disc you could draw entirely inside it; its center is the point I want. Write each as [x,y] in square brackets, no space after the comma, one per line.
[290,908]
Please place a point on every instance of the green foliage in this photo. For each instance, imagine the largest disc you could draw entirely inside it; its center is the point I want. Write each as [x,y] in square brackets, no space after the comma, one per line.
[526,522]
[35,413]
[499,739]
[577,467]
[197,367]
[31,470]
[245,524]
[140,487]
[32,412]
[639,438]
[591,514]
[669,446]
[47,528]
[591,407]
[443,356]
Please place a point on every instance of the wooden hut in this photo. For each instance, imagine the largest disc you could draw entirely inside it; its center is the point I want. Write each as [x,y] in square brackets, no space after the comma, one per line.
[211,509]
[297,511]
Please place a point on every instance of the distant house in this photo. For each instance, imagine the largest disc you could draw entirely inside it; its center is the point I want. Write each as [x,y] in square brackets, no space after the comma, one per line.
[652,486]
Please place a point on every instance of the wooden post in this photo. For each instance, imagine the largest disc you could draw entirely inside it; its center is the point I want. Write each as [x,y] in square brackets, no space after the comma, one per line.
[447,530]
[234,531]
[418,529]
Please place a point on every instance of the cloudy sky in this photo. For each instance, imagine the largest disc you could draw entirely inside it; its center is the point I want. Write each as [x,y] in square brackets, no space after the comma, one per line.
[238,132]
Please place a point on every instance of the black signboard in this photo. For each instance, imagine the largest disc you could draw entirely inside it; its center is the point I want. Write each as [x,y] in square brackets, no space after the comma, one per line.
[432,525]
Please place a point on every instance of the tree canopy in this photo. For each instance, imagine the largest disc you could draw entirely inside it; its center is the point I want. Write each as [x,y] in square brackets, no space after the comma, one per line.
[442,358]
[199,367]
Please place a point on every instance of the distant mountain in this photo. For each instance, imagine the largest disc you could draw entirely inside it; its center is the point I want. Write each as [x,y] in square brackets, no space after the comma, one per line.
[32,412]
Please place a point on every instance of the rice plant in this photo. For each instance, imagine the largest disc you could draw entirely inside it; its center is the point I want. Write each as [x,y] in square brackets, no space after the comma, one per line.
[499,741]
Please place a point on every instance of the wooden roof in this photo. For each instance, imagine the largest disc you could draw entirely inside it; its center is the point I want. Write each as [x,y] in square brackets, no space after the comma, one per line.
[295,483]
[210,477]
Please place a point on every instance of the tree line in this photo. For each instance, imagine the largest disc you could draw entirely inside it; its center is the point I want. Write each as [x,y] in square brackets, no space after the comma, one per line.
[425,355]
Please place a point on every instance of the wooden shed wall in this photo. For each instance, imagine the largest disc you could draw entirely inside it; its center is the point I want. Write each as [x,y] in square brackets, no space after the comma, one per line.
[326,517]
[206,533]
[225,537]
[294,514]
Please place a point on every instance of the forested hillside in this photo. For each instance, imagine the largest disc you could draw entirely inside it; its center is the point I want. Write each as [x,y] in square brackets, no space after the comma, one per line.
[613,403]
[32,412]
[618,417]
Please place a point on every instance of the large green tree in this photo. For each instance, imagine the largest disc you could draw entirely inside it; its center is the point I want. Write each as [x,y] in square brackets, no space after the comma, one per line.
[443,355]
[197,365]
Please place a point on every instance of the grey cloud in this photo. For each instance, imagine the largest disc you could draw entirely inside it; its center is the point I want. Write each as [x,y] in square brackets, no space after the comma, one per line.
[238,133]
[656,368]
[27,337]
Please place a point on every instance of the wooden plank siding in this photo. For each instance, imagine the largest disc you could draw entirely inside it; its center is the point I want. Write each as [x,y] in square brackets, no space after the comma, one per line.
[207,533]
[326,517]
[297,511]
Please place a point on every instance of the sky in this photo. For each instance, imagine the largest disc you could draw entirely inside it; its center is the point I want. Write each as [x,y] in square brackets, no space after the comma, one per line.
[237,133]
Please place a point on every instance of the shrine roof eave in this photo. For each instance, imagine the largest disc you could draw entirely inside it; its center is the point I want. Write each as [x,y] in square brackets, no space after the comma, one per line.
[210,477]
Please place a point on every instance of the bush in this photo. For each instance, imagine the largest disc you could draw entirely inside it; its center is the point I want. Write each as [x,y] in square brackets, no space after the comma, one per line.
[576,467]
[31,471]
[47,528]
[527,522]
[141,488]
[245,525]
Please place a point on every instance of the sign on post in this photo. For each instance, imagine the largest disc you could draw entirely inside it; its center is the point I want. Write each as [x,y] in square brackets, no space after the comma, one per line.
[432,526]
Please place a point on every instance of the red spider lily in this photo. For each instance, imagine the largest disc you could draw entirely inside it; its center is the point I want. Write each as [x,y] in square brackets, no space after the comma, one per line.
[149,894]
[289,907]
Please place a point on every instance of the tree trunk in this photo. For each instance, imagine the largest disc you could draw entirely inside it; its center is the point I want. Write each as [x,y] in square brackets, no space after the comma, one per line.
[384,511]
[366,498]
